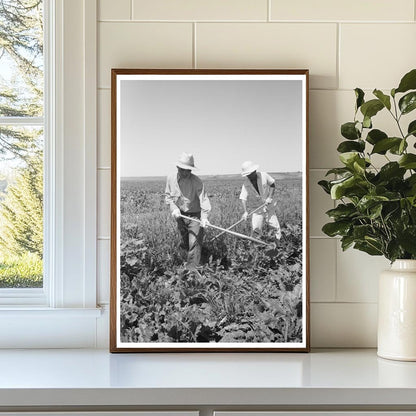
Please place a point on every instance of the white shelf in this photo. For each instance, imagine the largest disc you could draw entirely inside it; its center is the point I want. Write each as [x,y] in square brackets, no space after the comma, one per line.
[59,378]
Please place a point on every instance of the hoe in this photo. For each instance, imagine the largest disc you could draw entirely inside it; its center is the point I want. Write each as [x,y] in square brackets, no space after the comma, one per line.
[228,231]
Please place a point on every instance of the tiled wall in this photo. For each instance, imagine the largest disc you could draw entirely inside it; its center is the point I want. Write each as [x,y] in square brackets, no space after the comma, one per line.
[345,44]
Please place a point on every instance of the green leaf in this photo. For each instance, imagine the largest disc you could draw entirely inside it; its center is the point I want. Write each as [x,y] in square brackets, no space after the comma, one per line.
[371,108]
[411,180]
[411,130]
[393,250]
[375,136]
[383,145]
[398,149]
[342,211]
[340,188]
[338,171]
[359,165]
[408,102]
[359,95]
[393,92]
[350,131]
[349,146]
[346,242]
[407,240]
[336,228]
[375,211]
[385,99]
[408,82]
[408,161]
[349,158]
[325,186]
[391,170]
[360,231]
[369,201]
[368,248]
[367,122]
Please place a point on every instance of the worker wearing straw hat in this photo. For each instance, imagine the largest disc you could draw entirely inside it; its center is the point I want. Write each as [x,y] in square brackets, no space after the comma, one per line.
[185,194]
[262,186]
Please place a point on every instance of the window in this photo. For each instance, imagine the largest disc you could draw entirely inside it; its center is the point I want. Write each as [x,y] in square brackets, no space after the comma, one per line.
[22,138]
[63,312]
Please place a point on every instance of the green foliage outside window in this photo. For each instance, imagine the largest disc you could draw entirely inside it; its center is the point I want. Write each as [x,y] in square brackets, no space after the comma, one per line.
[21,146]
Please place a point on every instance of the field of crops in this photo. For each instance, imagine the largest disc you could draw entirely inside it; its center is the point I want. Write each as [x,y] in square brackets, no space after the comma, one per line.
[244,292]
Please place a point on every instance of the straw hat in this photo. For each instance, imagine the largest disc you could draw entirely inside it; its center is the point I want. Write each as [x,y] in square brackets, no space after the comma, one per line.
[186,161]
[248,167]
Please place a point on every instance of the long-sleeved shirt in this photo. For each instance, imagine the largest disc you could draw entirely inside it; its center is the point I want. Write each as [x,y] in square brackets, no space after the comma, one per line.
[187,194]
[264,182]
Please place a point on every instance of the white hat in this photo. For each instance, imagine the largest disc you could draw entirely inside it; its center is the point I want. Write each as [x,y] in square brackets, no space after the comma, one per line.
[248,167]
[186,161]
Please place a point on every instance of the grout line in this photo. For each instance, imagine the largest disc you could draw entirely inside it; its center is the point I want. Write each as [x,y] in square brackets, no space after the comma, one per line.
[103,238]
[269,10]
[319,169]
[338,63]
[344,303]
[189,21]
[104,168]
[311,22]
[131,9]
[336,271]
[323,237]
[310,89]
[194,63]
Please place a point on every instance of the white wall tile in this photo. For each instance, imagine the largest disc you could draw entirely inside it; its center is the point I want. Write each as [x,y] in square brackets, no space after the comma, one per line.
[372,55]
[376,55]
[323,269]
[357,275]
[319,203]
[258,45]
[342,10]
[142,45]
[104,202]
[114,10]
[200,10]
[349,325]
[104,129]
[328,111]
[103,271]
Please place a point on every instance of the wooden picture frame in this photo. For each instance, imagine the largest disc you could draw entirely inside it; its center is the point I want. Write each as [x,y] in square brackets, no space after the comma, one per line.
[176,286]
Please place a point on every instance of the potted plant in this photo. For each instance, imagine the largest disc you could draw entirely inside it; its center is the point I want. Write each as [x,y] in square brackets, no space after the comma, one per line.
[376,207]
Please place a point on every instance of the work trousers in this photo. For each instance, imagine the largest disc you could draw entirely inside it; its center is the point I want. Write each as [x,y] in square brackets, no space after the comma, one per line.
[268,215]
[191,238]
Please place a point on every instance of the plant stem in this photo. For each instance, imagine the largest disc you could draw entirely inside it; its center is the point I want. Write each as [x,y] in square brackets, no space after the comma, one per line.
[397,118]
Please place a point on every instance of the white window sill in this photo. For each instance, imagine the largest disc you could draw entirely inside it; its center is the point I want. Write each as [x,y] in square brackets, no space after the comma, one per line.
[36,312]
[330,379]
[40,327]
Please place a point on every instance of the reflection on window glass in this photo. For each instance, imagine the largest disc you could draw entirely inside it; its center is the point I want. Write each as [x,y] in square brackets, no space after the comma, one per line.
[21,143]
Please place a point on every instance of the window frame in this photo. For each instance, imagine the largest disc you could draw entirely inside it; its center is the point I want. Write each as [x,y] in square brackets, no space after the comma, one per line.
[37,296]
[69,293]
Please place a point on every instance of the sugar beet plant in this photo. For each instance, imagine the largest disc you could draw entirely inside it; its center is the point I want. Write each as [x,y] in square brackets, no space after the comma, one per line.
[376,210]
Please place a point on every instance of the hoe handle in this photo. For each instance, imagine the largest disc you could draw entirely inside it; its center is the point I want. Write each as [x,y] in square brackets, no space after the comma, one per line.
[238,222]
[255,240]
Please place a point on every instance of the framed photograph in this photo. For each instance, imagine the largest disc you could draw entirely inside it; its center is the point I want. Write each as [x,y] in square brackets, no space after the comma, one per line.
[209,211]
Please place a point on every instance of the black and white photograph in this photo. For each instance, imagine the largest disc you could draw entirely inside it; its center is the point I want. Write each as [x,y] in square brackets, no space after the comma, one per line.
[209,245]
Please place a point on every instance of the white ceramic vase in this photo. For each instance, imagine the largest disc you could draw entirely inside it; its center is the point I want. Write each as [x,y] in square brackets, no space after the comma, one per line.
[397,312]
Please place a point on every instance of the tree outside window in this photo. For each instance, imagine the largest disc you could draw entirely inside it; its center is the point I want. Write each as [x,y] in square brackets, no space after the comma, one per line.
[21,143]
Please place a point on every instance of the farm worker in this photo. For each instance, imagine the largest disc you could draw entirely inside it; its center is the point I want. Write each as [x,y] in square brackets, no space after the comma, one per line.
[185,194]
[261,186]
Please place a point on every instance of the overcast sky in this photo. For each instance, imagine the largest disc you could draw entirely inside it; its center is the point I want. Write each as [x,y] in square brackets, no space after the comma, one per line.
[223,123]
